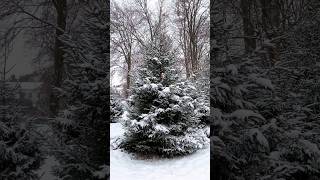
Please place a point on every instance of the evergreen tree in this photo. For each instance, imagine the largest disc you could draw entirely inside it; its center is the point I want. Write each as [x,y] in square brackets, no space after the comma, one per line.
[163,118]
[264,130]
[116,106]
[86,92]
[20,155]
[292,134]
[237,139]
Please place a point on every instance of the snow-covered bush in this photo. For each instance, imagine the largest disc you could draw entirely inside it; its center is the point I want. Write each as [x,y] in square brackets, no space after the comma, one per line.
[103,173]
[20,155]
[293,132]
[238,142]
[165,116]
[164,121]
[82,126]
[264,130]
[116,107]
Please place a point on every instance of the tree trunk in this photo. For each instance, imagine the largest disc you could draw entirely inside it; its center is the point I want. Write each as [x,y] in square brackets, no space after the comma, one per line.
[248,29]
[128,77]
[270,17]
[186,62]
[271,24]
[61,10]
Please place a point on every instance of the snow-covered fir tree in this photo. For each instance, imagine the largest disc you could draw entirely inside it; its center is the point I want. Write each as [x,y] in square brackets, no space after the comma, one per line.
[116,106]
[292,134]
[20,155]
[82,126]
[164,114]
[237,141]
[264,114]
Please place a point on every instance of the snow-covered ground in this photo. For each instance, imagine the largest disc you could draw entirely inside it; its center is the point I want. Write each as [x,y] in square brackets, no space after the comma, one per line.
[45,171]
[124,166]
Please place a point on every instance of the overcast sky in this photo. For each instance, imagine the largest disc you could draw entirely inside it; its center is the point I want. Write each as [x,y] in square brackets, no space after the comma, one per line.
[21,56]
[117,78]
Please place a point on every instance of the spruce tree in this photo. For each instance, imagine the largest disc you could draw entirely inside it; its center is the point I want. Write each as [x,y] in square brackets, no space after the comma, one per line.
[264,130]
[116,107]
[84,121]
[20,155]
[293,133]
[162,116]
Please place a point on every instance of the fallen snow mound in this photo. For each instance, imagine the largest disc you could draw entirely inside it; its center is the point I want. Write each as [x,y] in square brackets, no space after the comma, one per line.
[124,166]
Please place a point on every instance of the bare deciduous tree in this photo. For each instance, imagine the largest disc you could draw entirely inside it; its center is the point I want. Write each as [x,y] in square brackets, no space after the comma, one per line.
[123,38]
[61,18]
[248,28]
[192,17]
[37,16]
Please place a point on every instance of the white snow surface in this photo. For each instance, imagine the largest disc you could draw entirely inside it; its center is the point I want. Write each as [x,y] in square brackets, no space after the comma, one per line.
[45,172]
[124,166]
[166,90]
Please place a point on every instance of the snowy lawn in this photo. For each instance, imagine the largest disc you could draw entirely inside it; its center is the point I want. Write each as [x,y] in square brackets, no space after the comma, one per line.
[124,166]
[45,171]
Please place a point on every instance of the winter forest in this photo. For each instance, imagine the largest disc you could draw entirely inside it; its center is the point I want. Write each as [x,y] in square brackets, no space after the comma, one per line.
[264,89]
[159,89]
[54,120]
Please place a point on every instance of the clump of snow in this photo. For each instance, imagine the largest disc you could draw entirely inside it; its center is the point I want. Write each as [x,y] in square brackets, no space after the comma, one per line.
[261,81]
[103,173]
[161,128]
[257,137]
[154,86]
[124,116]
[145,86]
[176,107]
[166,90]
[244,113]
[192,87]
[159,110]
[156,60]
[124,166]
[175,98]
[142,123]
[310,148]
[186,98]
